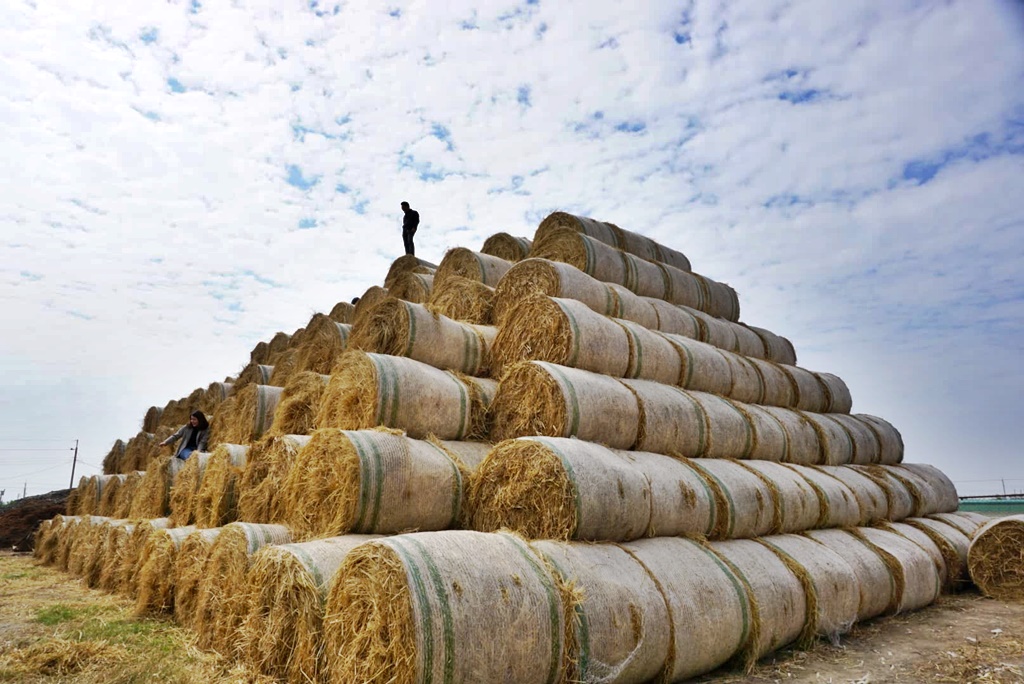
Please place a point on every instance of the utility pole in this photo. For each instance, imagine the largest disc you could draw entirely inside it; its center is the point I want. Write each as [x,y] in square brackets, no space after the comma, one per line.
[24,492]
[73,462]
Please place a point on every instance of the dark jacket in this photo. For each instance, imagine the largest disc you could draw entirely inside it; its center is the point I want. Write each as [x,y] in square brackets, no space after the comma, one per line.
[184,433]
[411,220]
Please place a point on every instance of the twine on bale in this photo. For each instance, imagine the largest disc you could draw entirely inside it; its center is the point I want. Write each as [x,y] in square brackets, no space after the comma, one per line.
[460,262]
[322,344]
[996,558]
[372,481]
[412,287]
[507,247]
[942,553]
[189,570]
[409,609]
[407,264]
[216,500]
[285,590]
[183,491]
[343,312]
[463,300]
[296,410]
[266,467]
[370,390]
[399,328]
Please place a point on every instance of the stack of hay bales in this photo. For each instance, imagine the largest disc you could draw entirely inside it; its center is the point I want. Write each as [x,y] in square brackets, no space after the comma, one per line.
[571,439]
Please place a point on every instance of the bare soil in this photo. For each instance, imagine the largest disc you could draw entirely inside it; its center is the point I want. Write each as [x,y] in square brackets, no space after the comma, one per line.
[54,630]
[20,519]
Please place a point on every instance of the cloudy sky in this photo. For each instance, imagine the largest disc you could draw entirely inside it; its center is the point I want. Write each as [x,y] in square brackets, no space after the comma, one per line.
[182,179]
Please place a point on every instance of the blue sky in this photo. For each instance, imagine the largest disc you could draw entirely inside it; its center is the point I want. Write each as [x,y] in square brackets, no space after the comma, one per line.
[183,179]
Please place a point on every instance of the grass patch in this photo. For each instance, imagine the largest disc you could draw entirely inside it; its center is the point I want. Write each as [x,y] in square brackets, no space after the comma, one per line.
[56,614]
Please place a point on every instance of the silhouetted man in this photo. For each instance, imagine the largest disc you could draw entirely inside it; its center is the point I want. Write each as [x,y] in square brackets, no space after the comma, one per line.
[410,222]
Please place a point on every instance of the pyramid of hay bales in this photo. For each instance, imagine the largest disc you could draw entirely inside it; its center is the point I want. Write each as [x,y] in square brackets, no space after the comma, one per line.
[554,460]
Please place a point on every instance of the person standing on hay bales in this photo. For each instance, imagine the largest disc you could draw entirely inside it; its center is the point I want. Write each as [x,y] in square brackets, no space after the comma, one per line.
[410,222]
[194,436]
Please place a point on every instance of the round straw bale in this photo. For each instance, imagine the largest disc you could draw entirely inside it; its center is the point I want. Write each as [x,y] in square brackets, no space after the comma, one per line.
[463,300]
[217,496]
[552,488]
[323,342]
[65,541]
[945,559]
[412,287]
[631,307]
[136,451]
[746,383]
[704,367]
[838,504]
[250,416]
[966,522]
[749,343]
[779,349]
[111,492]
[189,570]
[372,481]
[111,572]
[677,320]
[153,497]
[370,299]
[561,331]
[89,495]
[285,589]
[898,496]
[125,494]
[286,365]
[745,504]
[216,393]
[651,355]
[831,585]
[931,490]
[300,400]
[39,538]
[996,558]
[952,543]
[809,390]
[778,603]
[871,497]
[279,344]
[266,467]
[440,606]
[671,420]
[710,610]
[183,491]
[469,454]
[113,461]
[770,440]
[155,580]
[833,439]
[71,505]
[837,394]
[401,328]
[778,390]
[407,264]
[259,353]
[507,247]
[368,390]
[729,432]
[221,605]
[889,439]
[622,632]
[715,331]
[151,421]
[875,583]
[797,506]
[555,280]
[128,556]
[866,449]
[175,412]
[718,299]
[913,570]
[92,549]
[539,398]
[558,221]
[343,312]
[465,263]
[682,502]
[253,374]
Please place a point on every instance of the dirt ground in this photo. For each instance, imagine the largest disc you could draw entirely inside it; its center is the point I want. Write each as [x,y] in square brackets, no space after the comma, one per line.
[19,519]
[54,630]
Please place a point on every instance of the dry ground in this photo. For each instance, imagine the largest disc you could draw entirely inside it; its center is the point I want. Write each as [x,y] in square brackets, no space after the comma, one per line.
[54,630]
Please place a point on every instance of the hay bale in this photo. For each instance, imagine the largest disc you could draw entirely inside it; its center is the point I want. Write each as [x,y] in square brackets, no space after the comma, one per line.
[65,541]
[387,619]
[837,393]
[246,416]
[126,493]
[552,488]
[777,599]
[778,390]
[343,312]
[996,558]
[610,234]
[745,505]
[89,495]
[747,385]
[807,387]
[877,589]
[153,496]
[216,501]
[399,328]
[463,300]
[373,296]
[871,497]
[372,482]
[110,492]
[691,424]
[114,460]
[151,421]
[460,262]
[155,579]
[943,554]
[285,591]
[118,537]
[539,398]
[189,570]
[864,440]
[899,500]
[770,442]
[954,546]
[674,319]
[285,367]
[554,279]
[890,440]
[709,609]
[407,264]
[507,247]
[296,410]
[183,491]
[86,556]
[913,570]
[370,390]
[127,557]
[266,467]
[930,489]
[469,454]
[40,537]
[323,342]
[221,605]
[214,395]
[965,521]
[780,349]
[71,505]
[830,584]
[175,412]
[837,503]
[835,443]
[253,374]
[49,537]
[412,287]
[802,444]
[797,505]
[259,353]
[279,343]
[622,630]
